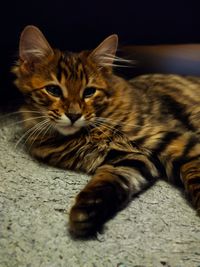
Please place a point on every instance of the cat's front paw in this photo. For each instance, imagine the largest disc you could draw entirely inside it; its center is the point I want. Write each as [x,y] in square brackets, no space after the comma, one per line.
[93,207]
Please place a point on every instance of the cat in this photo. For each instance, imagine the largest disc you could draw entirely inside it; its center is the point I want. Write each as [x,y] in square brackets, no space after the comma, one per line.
[79,115]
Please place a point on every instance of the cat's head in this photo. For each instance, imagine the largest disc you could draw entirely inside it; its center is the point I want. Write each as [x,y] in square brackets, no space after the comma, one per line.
[68,88]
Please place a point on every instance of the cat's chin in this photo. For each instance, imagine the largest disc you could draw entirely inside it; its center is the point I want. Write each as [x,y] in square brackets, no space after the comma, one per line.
[67,130]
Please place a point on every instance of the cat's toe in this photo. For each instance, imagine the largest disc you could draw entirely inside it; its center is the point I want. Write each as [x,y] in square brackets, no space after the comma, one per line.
[85,218]
[82,222]
[92,209]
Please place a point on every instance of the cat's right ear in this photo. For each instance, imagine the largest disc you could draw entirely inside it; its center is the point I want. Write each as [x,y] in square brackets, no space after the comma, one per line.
[104,54]
[33,46]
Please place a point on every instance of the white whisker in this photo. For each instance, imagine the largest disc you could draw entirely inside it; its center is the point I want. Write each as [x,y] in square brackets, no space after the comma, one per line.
[17,113]
[36,133]
[114,65]
[96,125]
[28,132]
[45,132]
[29,119]
[116,122]
[114,61]
[118,59]
[110,129]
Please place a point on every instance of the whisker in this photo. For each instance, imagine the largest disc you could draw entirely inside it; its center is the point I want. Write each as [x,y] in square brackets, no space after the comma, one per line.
[45,132]
[116,122]
[111,129]
[29,119]
[37,132]
[18,112]
[28,131]
[96,126]
[38,128]
[116,61]
[115,65]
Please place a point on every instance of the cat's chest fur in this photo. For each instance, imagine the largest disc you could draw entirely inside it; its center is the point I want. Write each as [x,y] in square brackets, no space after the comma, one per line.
[84,151]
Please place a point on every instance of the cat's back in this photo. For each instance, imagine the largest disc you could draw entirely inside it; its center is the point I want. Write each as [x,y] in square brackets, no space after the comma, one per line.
[169,88]
[171,100]
[167,83]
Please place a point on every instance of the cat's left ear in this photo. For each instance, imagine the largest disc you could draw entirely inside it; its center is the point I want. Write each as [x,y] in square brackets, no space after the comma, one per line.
[104,54]
[33,46]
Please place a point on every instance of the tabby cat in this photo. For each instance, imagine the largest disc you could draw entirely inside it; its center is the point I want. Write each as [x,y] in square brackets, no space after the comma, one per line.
[79,115]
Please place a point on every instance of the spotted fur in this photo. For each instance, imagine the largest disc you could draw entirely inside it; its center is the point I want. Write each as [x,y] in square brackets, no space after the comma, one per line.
[126,134]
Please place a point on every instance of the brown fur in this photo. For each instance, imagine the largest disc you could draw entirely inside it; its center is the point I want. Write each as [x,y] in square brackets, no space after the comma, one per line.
[137,131]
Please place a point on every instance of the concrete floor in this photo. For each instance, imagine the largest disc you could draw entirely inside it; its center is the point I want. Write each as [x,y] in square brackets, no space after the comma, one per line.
[157,229]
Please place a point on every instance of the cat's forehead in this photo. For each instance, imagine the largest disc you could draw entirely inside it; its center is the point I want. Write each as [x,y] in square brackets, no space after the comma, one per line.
[72,67]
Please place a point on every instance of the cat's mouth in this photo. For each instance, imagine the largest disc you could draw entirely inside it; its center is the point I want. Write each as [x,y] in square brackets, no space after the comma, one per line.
[66,129]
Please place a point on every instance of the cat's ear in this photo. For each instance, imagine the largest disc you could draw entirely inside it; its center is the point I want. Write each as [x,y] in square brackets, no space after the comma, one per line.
[33,46]
[104,54]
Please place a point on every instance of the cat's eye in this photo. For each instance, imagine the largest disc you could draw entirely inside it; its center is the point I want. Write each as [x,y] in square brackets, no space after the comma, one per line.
[89,91]
[54,90]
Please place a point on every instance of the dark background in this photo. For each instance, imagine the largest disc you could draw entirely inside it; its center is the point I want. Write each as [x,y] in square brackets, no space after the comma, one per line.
[76,25]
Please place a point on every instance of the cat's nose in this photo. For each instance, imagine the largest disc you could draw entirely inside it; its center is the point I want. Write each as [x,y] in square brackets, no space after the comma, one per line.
[73,116]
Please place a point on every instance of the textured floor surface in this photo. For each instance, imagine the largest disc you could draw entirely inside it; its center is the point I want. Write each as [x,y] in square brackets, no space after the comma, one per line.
[158,228]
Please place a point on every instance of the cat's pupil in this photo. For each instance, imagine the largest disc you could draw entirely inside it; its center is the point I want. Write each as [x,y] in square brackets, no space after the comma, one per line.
[89,91]
[54,90]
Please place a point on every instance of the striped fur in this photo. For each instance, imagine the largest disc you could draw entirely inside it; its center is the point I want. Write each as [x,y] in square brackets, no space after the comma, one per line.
[128,134]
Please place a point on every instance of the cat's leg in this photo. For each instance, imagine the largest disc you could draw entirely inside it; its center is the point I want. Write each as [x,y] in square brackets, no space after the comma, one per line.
[109,190]
[190,176]
[181,159]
